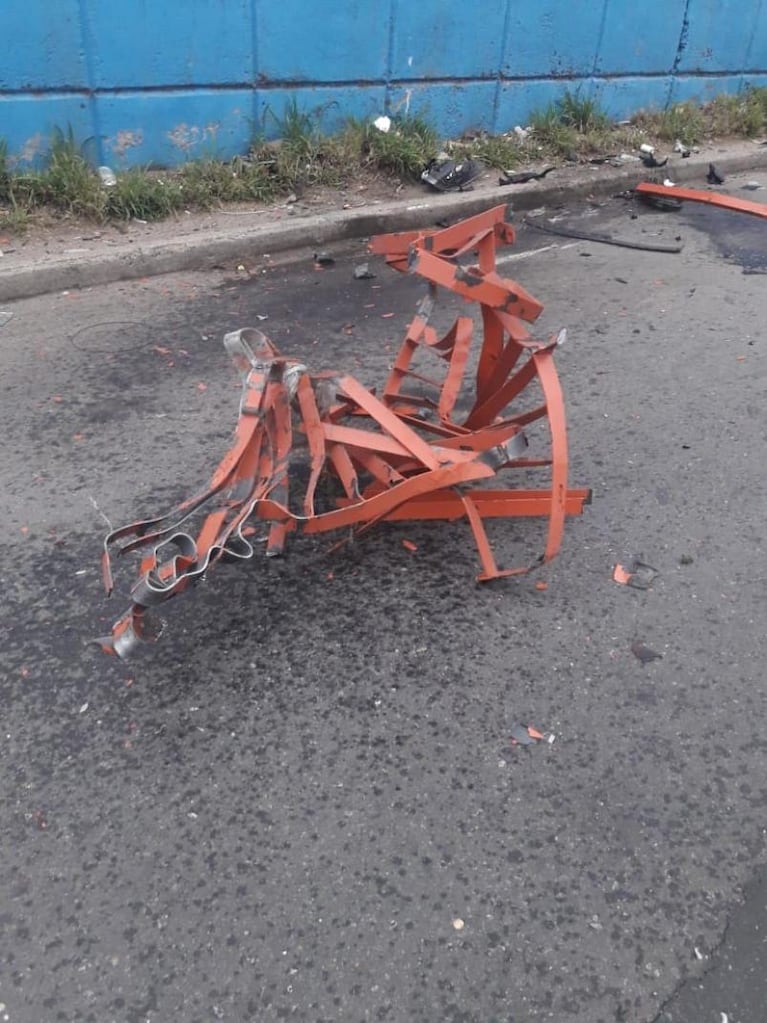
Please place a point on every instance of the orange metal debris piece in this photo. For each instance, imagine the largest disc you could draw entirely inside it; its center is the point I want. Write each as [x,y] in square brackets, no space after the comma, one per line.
[727,202]
[408,454]
[622,575]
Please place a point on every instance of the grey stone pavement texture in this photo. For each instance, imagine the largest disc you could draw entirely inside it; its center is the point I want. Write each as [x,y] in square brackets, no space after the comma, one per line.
[281,809]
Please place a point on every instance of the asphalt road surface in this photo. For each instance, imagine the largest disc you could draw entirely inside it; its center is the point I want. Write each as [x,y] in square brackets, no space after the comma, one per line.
[303,803]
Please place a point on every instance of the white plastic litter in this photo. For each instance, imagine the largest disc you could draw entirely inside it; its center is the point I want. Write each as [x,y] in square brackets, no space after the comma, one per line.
[108,177]
[383,123]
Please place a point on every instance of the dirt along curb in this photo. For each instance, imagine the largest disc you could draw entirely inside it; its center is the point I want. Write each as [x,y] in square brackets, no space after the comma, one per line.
[216,248]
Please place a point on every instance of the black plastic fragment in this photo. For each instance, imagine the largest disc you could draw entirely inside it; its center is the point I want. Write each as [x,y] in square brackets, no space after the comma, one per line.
[644,654]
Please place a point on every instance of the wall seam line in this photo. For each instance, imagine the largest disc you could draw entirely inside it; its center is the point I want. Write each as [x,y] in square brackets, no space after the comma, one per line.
[87,39]
[499,76]
[750,46]
[680,48]
[389,56]
[254,68]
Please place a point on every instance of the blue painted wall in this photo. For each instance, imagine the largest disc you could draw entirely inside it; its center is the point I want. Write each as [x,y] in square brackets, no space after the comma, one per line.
[158,81]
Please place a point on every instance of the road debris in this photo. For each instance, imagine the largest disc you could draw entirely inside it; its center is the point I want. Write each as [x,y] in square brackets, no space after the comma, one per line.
[458,924]
[525,735]
[383,123]
[522,177]
[714,177]
[682,149]
[362,272]
[388,459]
[323,259]
[650,160]
[752,186]
[603,239]
[728,202]
[645,654]
[449,176]
[107,177]
[5,317]
[660,202]
[637,574]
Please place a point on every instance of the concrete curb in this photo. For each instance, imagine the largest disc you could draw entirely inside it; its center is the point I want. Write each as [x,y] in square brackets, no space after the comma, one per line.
[215,249]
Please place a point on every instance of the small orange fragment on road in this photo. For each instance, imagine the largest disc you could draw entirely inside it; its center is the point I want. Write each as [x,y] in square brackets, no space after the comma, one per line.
[25,530]
[386,316]
[202,387]
[740,358]
[534,733]
[57,398]
[541,585]
[78,436]
[410,546]
[622,575]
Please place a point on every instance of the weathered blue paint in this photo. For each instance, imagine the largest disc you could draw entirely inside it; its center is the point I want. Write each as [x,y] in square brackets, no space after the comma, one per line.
[40,49]
[184,125]
[142,44]
[143,82]
[553,38]
[466,44]
[325,41]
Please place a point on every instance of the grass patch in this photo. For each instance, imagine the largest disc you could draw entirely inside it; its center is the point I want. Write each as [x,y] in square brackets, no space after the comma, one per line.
[726,116]
[745,114]
[304,157]
[582,114]
[572,123]
[403,151]
[683,121]
[501,152]
[140,195]
[552,134]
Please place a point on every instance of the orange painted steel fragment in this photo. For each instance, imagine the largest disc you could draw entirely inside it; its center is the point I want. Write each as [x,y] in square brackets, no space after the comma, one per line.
[727,202]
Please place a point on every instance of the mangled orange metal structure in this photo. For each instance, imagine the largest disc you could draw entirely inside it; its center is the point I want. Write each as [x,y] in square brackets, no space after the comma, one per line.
[403,455]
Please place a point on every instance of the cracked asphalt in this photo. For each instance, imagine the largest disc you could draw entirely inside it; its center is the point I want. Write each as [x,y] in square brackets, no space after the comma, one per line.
[303,803]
